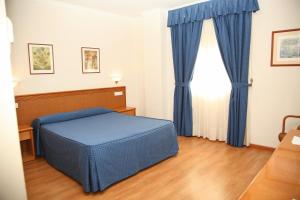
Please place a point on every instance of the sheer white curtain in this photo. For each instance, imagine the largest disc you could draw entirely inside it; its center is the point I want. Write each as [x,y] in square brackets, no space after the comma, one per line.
[210,89]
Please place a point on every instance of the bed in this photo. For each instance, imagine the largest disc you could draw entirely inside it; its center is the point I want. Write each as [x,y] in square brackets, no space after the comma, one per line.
[98,147]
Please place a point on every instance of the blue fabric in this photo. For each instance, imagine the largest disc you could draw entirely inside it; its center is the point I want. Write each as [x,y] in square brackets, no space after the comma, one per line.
[210,9]
[232,19]
[99,150]
[59,118]
[185,44]
[233,33]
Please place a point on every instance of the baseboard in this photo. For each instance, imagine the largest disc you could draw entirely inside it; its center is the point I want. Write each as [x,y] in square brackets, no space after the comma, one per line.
[256,146]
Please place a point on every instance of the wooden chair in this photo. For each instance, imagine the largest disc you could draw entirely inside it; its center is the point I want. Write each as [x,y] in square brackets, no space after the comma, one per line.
[283,133]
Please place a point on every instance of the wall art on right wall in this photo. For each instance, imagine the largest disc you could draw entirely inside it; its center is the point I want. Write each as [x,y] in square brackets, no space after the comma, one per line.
[285,49]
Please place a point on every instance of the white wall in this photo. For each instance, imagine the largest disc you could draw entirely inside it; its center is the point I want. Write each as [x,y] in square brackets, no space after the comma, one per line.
[12,185]
[275,91]
[158,65]
[69,28]
[136,72]
[153,86]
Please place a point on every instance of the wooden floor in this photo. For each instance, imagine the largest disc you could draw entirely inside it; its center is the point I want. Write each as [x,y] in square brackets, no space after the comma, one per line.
[201,170]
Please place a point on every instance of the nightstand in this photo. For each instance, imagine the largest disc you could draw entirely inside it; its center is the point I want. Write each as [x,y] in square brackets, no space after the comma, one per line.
[126,111]
[26,142]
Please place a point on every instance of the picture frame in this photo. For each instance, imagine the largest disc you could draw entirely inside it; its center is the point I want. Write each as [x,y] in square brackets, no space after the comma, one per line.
[41,59]
[90,58]
[285,50]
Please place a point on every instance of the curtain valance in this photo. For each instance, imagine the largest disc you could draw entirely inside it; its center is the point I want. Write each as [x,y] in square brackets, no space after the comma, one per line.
[210,9]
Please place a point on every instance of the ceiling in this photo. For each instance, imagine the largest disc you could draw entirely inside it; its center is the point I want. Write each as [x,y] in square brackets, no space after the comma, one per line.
[129,7]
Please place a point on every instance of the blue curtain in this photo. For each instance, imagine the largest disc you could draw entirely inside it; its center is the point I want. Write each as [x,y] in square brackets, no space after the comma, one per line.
[185,43]
[232,19]
[233,33]
[210,9]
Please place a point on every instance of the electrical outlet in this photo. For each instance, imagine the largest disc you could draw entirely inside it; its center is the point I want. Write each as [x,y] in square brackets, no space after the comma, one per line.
[119,93]
[17,105]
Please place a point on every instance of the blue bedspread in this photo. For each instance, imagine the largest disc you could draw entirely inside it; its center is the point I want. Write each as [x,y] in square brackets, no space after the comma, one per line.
[99,147]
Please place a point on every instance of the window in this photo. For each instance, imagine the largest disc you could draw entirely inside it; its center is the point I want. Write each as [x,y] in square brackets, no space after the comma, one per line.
[210,88]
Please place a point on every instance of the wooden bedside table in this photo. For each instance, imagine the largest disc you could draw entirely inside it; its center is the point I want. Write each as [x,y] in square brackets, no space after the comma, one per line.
[126,111]
[26,142]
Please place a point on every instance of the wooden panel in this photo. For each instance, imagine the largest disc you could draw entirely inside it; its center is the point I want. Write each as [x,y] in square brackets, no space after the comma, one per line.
[27,156]
[27,150]
[129,112]
[27,143]
[25,135]
[35,105]
[126,110]
[280,177]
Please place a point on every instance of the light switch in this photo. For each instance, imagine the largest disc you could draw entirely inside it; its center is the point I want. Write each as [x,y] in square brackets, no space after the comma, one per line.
[119,93]
[17,105]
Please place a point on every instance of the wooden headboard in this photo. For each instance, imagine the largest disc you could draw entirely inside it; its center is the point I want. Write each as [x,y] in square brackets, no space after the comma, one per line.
[35,105]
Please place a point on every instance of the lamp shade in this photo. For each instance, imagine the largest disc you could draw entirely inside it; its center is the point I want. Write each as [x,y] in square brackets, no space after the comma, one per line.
[116,78]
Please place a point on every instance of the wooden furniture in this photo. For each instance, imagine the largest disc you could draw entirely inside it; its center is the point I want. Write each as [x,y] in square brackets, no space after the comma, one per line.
[27,143]
[280,177]
[33,106]
[283,133]
[126,111]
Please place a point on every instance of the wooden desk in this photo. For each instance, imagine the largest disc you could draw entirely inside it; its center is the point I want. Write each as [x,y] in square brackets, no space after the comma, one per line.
[26,142]
[280,177]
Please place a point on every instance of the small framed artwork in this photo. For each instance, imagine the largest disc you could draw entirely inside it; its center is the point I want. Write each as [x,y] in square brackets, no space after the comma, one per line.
[90,60]
[41,58]
[286,48]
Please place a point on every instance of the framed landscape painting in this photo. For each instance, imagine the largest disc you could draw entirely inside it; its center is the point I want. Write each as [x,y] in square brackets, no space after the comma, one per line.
[90,60]
[286,48]
[41,58]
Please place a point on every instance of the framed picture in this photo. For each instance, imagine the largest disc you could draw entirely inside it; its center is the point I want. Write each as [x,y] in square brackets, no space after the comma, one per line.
[41,58]
[90,60]
[286,48]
